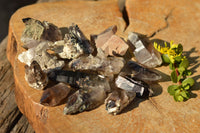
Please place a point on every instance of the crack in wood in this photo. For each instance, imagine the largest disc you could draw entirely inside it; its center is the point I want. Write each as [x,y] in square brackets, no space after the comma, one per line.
[15,121]
[125,17]
[165,27]
[122,8]
[155,105]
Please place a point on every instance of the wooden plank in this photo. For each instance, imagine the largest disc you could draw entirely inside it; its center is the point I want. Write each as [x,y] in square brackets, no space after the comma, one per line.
[11,119]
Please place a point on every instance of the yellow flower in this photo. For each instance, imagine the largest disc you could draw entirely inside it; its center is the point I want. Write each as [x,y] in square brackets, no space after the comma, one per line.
[173,51]
[162,50]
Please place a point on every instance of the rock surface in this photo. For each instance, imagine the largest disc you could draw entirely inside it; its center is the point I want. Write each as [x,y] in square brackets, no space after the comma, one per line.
[157,114]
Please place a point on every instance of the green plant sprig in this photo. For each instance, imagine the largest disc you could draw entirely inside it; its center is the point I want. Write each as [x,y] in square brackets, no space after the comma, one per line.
[179,65]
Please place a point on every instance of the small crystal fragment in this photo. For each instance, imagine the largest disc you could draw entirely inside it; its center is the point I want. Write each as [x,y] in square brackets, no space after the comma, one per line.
[118,100]
[80,79]
[35,77]
[70,77]
[85,99]
[109,42]
[104,65]
[55,95]
[46,61]
[144,51]
[37,31]
[115,46]
[135,70]
[27,56]
[51,32]
[74,44]
[103,37]
[127,83]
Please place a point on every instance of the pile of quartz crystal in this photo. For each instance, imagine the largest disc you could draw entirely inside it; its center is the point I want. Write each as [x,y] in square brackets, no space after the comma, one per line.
[84,73]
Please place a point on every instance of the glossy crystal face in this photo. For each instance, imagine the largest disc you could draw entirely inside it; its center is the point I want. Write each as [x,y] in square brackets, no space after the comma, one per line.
[53,96]
[144,51]
[35,77]
[133,69]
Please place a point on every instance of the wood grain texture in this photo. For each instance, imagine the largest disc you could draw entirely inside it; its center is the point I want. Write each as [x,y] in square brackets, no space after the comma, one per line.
[157,114]
[11,119]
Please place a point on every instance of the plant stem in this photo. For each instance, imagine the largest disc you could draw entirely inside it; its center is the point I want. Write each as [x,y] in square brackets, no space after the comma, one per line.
[177,73]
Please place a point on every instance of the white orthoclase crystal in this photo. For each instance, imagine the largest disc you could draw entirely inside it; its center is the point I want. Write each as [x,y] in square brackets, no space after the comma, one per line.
[45,60]
[27,56]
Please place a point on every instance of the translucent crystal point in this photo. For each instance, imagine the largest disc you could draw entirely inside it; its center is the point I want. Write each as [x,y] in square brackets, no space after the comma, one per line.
[106,66]
[55,95]
[135,70]
[85,99]
[118,100]
[132,84]
[80,79]
[144,51]
[92,93]
[35,77]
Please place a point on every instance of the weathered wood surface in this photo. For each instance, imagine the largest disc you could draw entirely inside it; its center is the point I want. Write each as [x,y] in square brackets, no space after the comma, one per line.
[11,119]
[158,114]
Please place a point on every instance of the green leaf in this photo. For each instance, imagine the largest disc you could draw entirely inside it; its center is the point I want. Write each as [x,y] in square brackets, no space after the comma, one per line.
[179,77]
[178,58]
[188,95]
[165,58]
[174,76]
[179,49]
[187,81]
[188,72]
[171,66]
[184,94]
[184,63]
[175,98]
[181,70]
[177,92]
[186,87]
[180,98]
[172,88]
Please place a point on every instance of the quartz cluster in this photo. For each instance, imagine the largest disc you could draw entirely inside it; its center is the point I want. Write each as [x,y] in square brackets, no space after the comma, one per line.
[86,73]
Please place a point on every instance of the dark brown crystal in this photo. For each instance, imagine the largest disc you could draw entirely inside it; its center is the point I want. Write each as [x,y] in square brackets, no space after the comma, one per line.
[85,99]
[35,77]
[137,71]
[55,95]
